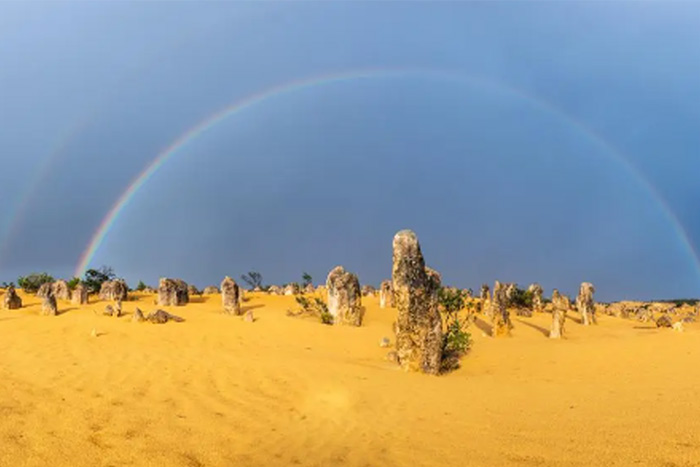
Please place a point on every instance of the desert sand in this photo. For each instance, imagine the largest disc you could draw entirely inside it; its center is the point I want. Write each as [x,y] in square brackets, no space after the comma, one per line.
[218,391]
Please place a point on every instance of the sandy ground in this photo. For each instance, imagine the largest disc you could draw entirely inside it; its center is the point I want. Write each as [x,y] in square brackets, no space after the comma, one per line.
[218,391]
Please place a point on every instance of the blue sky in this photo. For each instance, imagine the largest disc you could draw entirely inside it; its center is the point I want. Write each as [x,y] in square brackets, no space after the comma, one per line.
[567,151]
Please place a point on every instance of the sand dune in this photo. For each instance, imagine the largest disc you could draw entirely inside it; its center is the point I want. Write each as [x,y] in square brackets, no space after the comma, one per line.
[218,391]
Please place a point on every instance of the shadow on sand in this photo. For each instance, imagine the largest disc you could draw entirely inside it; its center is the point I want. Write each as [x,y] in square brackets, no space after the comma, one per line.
[483,325]
[545,332]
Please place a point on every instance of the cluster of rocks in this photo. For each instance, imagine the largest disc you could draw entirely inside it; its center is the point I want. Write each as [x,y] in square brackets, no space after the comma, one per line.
[211,290]
[155,317]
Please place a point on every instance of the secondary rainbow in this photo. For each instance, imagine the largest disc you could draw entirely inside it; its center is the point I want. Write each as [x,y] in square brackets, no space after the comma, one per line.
[247,102]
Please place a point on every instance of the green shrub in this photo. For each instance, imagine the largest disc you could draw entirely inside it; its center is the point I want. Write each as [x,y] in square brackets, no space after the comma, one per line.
[141,286]
[450,300]
[73,283]
[455,342]
[306,279]
[33,281]
[314,307]
[521,298]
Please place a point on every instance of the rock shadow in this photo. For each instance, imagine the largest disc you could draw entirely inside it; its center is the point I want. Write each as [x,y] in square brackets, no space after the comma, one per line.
[545,332]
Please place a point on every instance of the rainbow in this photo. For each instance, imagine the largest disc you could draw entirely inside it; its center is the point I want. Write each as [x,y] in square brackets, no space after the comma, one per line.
[289,87]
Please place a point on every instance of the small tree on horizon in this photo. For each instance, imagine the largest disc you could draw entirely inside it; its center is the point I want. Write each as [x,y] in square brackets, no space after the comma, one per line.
[33,281]
[94,278]
[253,279]
[141,286]
[306,279]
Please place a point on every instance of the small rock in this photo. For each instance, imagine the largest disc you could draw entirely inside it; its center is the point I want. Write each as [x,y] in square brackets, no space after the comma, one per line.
[664,321]
[109,310]
[138,316]
[94,332]
[385,342]
[162,316]
[392,356]
[678,326]
[249,318]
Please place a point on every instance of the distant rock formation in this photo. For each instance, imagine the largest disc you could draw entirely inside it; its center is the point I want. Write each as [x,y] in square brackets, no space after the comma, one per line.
[230,296]
[11,301]
[500,317]
[309,289]
[149,290]
[249,317]
[172,292]
[48,304]
[79,296]
[537,303]
[419,324]
[192,290]
[60,290]
[344,298]
[274,290]
[560,306]
[291,289]
[485,297]
[211,290]
[585,305]
[386,295]
[664,321]
[114,290]
[368,291]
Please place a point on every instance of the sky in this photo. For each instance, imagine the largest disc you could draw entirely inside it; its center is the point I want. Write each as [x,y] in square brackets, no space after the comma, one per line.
[550,142]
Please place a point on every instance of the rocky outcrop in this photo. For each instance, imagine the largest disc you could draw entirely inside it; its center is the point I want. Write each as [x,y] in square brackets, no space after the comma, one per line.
[172,292]
[664,321]
[386,295]
[79,296]
[291,289]
[138,316]
[537,303]
[344,298]
[60,290]
[230,296]
[560,306]
[500,317]
[309,289]
[48,304]
[368,291]
[45,290]
[585,305]
[419,325]
[114,290]
[162,317]
[211,290]
[11,301]
[274,290]
[192,290]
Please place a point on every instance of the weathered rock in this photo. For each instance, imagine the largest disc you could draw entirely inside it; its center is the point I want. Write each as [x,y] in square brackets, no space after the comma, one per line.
[11,301]
[678,327]
[560,306]
[118,308]
[368,291]
[500,317]
[385,342]
[419,324]
[230,296]
[192,290]
[585,305]
[60,290]
[344,298]
[45,290]
[291,289]
[537,303]
[664,321]
[249,317]
[485,300]
[386,295]
[138,316]
[510,292]
[309,289]
[48,305]
[109,310]
[114,290]
[172,292]
[274,290]
[79,296]
[211,290]
[162,317]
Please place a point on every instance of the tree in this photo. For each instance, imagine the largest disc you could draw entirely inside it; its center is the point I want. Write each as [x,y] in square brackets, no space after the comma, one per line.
[94,278]
[33,281]
[141,286]
[253,279]
[306,279]
[73,283]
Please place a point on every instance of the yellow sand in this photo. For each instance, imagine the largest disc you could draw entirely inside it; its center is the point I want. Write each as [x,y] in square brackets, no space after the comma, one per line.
[218,391]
